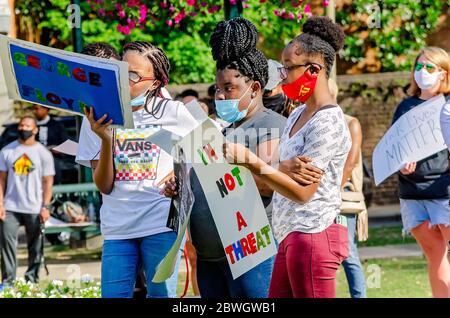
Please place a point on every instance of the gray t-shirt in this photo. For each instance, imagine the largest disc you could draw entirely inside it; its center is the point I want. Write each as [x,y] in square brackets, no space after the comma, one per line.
[325,139]
[263,126]
[26,166]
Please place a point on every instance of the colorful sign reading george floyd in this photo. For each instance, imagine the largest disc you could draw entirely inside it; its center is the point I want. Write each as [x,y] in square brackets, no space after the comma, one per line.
[67,81]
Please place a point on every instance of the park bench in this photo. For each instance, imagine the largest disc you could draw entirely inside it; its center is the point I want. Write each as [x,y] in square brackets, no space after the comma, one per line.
[80,232]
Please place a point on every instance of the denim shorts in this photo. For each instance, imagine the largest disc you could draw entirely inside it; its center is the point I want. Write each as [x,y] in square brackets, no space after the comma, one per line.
[415,212]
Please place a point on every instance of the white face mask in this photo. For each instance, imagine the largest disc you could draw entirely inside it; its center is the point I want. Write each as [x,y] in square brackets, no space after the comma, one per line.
[426,80]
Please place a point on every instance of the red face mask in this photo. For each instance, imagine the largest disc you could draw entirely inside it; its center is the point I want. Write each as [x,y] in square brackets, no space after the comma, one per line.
[303,87]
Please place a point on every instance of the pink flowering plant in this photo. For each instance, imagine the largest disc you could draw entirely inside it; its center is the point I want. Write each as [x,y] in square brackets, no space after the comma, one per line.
[133,14]
[180,27]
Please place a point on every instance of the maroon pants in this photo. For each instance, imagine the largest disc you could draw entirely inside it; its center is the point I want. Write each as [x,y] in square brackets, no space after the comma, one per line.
[306,264]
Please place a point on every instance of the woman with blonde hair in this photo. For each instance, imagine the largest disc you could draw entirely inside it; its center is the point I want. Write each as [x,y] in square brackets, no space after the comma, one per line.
[424,186]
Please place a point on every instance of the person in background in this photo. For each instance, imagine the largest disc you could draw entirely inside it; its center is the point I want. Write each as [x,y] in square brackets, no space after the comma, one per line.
[273,97]
[211,104]
[187,96]
[424,186]
[204,106]
[26,180]
[190,95]
[51,133]
[357,223]
[445,123]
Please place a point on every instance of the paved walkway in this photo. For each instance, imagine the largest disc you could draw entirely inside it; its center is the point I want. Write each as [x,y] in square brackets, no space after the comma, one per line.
[71,270]
[385,211]
[378,217]
[390,251]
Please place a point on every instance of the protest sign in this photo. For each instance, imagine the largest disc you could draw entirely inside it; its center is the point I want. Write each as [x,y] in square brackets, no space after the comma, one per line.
[67,81]
[178,216]
[233,199]
[68,147]
[196,110]
[416,135]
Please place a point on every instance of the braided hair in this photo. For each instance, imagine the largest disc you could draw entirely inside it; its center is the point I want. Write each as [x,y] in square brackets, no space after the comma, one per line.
[233,46]
[100,49]
[161,68]
[321,36]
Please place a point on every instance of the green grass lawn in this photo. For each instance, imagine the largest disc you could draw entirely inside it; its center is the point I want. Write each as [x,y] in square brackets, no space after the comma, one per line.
[380,236]
[399,278]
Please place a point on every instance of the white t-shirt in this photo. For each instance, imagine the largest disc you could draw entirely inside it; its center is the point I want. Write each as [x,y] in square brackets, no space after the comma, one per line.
[325,139]
[135,208]
[445,123]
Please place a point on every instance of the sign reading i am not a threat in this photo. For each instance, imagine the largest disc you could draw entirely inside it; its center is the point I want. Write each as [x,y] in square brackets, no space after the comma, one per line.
[67,81]
[233,199]
[416,135]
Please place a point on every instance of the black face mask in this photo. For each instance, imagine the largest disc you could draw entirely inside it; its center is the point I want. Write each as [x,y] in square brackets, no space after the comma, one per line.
[25,134]
[275,102]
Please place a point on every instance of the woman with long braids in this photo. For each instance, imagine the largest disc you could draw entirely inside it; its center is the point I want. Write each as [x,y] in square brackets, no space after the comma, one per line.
[242,73]
[128,171]
[312,235]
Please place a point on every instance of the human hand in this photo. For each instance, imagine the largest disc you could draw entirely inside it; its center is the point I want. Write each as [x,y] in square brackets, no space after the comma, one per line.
[300,170]
[101,129]
[409,168]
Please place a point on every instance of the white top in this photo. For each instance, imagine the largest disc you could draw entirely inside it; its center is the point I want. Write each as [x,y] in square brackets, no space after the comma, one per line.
[135,208]
[325,138]
[445,123]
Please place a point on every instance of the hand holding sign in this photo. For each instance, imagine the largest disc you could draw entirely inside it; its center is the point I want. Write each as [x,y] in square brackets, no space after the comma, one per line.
[232,197]
[409,168]
[237,154]
[170,188]
[416,135]
[101,128]
[67,81]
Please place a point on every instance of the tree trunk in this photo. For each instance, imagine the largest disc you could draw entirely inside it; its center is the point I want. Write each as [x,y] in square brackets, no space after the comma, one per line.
[12,29]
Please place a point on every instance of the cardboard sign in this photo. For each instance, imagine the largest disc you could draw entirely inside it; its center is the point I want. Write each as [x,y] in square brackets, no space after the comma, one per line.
[67,81]
[416,135]
[179,216]
[233,199]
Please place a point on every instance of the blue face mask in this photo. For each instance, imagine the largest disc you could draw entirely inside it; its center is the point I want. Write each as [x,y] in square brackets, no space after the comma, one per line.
[228,109]
[139,100]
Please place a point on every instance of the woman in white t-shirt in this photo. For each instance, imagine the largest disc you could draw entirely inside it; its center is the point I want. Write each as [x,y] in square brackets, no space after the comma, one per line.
[128,171]
[312,236]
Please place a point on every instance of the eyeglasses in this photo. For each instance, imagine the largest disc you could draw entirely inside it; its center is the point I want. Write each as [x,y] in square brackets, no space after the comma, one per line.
[136,78]
[284,71]
[431,68]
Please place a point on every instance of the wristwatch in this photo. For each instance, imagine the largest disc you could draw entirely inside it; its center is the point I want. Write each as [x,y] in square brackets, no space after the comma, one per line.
[47,206]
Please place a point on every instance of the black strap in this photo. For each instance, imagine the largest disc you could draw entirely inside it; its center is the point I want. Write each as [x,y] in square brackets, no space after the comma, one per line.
[326,107]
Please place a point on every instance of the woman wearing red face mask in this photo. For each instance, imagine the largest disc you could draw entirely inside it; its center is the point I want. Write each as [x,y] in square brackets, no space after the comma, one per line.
[312,235]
